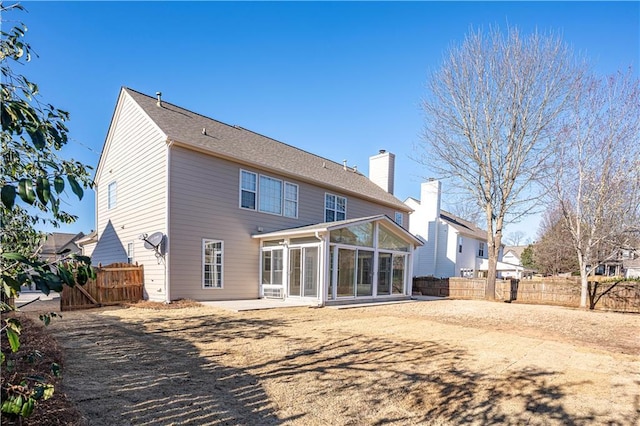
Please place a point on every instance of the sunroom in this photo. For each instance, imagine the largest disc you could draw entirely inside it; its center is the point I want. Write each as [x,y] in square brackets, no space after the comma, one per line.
[347,261]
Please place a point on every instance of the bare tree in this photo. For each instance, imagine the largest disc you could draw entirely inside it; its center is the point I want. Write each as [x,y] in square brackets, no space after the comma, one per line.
[515,238]
[489,111]
[596,178]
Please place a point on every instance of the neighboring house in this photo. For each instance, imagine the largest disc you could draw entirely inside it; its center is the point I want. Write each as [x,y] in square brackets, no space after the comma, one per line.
[619,264]
[452,246]
[217,212]
[512,257]
[631,268]
[88,243]
[58,245]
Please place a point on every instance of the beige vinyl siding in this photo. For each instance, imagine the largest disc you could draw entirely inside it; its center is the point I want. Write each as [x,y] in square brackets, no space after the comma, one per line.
[135,158]
[205,204]
[87,249]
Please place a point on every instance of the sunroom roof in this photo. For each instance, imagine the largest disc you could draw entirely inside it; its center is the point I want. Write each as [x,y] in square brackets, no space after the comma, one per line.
[330,226]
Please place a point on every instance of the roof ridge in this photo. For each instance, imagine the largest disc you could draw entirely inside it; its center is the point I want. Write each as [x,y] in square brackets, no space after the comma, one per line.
[237,127]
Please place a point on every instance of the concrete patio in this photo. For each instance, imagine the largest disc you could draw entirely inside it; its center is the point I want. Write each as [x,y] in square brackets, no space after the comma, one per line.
[260,304]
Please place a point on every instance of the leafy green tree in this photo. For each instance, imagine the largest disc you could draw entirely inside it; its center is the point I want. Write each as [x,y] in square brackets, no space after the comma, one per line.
[527,257]
[33,181]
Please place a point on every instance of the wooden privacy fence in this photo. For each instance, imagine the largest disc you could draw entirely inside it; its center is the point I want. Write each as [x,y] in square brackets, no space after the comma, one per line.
[622,297]
[114,284]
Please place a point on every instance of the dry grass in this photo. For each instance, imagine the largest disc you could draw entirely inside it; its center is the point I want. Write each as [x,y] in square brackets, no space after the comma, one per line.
[446,362]
[158,306]
[38,351]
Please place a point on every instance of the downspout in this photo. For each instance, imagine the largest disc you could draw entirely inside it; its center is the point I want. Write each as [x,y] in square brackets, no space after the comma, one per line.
[167,275]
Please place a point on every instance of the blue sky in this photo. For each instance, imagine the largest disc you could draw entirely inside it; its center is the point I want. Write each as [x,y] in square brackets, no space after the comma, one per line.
[339,79]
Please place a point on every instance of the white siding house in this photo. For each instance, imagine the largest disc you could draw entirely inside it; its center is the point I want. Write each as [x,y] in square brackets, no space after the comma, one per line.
[452,246]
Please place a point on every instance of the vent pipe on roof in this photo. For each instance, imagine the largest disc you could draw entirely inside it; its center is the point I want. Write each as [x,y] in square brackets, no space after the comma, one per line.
[204,131]
[159,95]
[344,164]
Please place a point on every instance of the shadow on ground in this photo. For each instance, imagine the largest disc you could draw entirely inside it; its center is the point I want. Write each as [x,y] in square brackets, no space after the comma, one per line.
[119,374]
[177,371]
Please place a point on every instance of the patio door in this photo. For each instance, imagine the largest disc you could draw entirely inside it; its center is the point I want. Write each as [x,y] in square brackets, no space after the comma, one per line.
[303,271]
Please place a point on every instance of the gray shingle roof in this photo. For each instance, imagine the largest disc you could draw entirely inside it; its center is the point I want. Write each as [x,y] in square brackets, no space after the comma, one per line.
[56,241]
[516,249]
[244,146]
[463,226]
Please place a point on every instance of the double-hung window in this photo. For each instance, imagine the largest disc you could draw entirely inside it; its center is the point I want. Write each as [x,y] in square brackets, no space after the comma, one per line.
[398,218]
[111,195]
[212,258]
[248,190]
[481,249]
[290,199]
[335,208]
[130,252]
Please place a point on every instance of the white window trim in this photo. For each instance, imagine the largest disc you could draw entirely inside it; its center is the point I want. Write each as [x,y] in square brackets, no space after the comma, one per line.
[242,189]
[113,185]
[335,210]
[284,199]
[204,242]
[283,194]
[395,219]
[481,249]
[130,254]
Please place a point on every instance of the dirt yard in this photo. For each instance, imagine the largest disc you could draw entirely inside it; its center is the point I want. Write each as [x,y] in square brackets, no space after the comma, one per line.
[442,362]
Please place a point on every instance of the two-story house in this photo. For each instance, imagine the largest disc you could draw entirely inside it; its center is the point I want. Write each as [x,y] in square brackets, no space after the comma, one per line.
[218,212]
[452,246]
[512,257]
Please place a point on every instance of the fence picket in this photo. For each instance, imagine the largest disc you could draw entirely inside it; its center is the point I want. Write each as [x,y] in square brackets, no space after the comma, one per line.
[114,284]
[624,297]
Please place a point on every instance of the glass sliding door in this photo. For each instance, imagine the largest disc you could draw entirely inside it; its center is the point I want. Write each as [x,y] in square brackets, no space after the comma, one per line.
[310,272]
[398,274]
[364,284]
[295,271]
[346,272]
[303,272]
[384,274]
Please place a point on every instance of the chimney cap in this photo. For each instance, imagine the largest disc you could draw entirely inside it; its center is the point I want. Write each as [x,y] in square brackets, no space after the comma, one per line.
[382,151]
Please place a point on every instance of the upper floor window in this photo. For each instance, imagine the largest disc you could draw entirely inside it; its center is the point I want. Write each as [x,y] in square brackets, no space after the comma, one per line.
[248,190]
[481,249]
[212,257]
[459,244]
[111,195]
[398,218]
[335,208]
[290,199]
[268,195]
[130,252]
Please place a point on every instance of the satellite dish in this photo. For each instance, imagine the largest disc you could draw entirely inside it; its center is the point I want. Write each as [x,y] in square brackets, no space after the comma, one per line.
[153,241]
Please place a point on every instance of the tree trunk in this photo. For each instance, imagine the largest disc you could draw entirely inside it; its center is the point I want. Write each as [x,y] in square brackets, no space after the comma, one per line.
[490,289]
[584,288]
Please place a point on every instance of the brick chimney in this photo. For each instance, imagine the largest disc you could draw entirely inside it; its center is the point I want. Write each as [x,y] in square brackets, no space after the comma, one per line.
[382,170]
